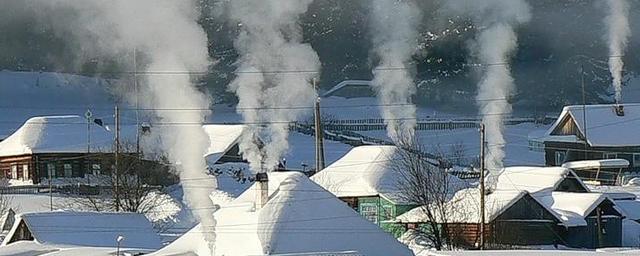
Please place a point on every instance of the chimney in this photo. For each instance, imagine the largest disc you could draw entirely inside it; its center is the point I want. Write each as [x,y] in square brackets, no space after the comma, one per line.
[619,110]
[262,189]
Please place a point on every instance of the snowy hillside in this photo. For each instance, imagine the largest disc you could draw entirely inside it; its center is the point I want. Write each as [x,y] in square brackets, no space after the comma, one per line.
[27,94]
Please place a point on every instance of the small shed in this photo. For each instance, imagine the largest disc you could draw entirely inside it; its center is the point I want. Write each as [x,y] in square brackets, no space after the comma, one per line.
[223,146]
[590,220]
[84,229]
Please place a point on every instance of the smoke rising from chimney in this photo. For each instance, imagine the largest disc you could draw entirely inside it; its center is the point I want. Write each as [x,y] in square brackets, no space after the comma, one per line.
[495,43]
[274,75]
[394,27]
[617,22]
[168,38]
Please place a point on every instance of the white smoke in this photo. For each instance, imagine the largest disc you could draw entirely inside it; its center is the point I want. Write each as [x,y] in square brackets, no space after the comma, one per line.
[618,36]
[173,45]
[394,25]
[274,75]
[496,21]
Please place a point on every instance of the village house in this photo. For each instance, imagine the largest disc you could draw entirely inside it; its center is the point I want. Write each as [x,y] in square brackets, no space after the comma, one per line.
[594,132]
[67,147]
[285,213]
[72,231]
[512,218]
[532,206]
[57,147]
[365,179]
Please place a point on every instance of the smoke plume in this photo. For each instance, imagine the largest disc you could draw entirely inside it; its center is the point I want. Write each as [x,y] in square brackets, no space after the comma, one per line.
[168,38]
[495,43]
[394,25]
[274,73]
[618,36]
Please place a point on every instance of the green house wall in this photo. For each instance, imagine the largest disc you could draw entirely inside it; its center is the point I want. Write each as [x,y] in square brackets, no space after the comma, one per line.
[380,210]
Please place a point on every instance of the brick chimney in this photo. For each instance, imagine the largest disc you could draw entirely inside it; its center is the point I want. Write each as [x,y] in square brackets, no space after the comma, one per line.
[262,189]
[619,109]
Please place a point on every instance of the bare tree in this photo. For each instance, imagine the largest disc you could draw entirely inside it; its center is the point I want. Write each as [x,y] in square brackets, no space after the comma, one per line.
[140,180]
[425,184]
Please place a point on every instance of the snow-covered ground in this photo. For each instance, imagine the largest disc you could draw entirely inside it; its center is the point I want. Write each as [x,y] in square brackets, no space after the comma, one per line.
[27,94]
[517,148]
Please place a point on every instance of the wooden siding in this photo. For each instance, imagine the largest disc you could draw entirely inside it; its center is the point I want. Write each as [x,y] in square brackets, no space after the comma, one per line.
[576,152]
[80,164]
[22,233]
[526,222]
[567,127]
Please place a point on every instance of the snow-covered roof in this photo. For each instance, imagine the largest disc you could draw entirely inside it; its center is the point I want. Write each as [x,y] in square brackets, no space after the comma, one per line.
[595,164]
[358,83]
[300,217]
[616,192]
[464,207]
[88,229]
[29,248]
[534,179]
[222,138]
[631,208]
[58,134]
[571,208]
[604,128]
[363,171]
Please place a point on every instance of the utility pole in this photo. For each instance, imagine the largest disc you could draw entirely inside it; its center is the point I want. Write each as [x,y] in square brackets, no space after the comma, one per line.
[87,161]
[117,156]
[584,112]
[135,86]
[599,223]
[49,171]
[482,188]
[319,133]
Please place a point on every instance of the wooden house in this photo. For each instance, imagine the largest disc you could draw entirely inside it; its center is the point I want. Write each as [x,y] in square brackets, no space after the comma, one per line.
[365,179]
[287,214]
[530,206]
[56,147]
[588,220]
[593,132]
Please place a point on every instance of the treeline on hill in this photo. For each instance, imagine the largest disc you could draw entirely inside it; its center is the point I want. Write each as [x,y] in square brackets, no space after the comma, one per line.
[561,37]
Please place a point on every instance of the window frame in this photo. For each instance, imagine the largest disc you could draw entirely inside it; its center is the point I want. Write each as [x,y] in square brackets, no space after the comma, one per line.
[51,170]
[69,169]
[636,159]
[558,161]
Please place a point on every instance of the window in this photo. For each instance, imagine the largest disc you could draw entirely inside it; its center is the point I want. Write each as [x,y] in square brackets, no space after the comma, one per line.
[95,169]
[14,172]
[68,171]
[560,157]
[610,156]
[25,171]
[370,212]
[51,170]
[636,160]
